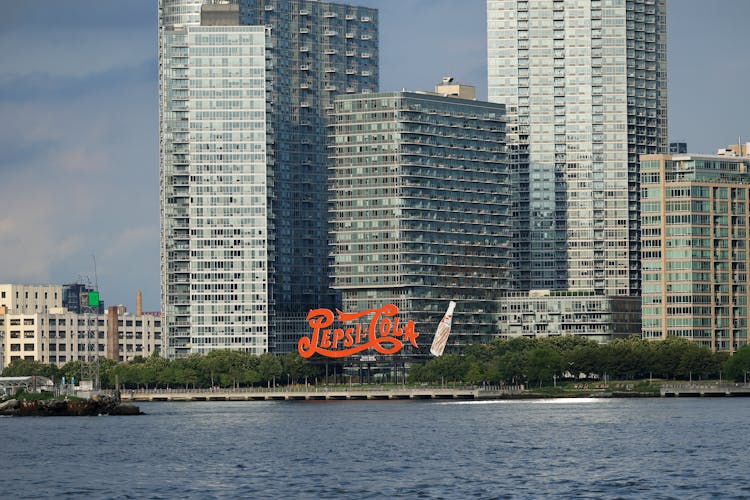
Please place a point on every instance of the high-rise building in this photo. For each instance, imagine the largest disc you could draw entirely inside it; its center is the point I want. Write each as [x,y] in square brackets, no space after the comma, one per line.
[585,87]
[245,87]
[695,248]
[420,207]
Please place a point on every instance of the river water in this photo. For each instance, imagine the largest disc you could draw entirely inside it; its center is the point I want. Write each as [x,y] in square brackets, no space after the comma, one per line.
[564,448]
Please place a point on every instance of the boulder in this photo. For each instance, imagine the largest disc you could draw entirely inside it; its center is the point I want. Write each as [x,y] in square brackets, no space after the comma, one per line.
[125,409]
[11,404]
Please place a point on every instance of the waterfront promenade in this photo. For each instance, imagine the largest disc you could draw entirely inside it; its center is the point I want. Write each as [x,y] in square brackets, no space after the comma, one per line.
[325,393]
[705,389]
[363,393]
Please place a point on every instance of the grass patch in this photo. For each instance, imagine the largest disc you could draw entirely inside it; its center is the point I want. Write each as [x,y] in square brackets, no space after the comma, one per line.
[43,396]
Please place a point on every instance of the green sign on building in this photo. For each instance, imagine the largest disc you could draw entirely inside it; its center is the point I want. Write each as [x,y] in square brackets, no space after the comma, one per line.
[94,299]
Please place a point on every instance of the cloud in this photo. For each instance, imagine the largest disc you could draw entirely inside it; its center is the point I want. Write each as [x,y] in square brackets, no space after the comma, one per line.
[42,86]
[79,134]
[30,240]
[80,178]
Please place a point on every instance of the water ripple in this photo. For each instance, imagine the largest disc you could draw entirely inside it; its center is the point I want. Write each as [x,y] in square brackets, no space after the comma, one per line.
[599,448]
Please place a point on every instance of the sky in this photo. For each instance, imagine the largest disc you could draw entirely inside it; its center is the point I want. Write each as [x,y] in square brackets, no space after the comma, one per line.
[79,158]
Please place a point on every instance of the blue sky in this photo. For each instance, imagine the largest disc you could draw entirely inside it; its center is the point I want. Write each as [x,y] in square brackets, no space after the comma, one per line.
[79,132]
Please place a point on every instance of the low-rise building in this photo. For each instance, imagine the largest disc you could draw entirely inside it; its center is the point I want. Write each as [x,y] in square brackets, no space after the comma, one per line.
[30,299]
[58,336]
[545,313]
[139,335]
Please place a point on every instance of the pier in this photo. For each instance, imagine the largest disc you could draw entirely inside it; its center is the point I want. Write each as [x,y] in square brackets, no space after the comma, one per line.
[697,389]
[323,394]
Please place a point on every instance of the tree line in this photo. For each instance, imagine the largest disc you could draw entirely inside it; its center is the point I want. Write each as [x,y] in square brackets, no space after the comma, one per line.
[538,361]
[221,368]
[531,361]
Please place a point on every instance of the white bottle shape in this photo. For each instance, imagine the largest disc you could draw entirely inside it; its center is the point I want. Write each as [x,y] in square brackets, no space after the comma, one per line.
[443,330]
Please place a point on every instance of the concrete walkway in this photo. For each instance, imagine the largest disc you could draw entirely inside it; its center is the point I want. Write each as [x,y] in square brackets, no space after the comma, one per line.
[322,394]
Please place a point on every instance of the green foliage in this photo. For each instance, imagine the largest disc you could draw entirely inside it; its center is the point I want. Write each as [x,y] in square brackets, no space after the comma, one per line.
[521,360]
[223,368]
[738,366]
[543,363]
[27,368]
[539,361]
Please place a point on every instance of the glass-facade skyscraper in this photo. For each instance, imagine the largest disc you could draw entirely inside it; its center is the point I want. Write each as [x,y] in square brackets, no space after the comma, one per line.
[420,209]
[244,90]
[585,87]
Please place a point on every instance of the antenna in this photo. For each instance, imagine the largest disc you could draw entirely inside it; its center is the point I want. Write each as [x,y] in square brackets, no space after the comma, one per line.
[96,276]
[90,369]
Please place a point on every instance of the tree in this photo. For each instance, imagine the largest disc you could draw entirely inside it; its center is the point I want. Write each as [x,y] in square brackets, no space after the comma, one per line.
[565,343]
[448,367]
[269,367]
[215,363]
[418,373]
[107,372]
[543,363]
[509,367]
[475,374]
[738,366]
[622,358]
[71,370]
[586,359]
[696,362]
[294,365]
[28,368]
[667,356]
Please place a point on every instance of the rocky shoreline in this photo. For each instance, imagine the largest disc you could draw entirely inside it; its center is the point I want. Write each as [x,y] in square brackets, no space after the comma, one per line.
[64,408]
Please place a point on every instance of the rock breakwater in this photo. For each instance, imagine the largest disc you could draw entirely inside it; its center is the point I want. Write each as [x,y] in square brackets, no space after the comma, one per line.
[65,408]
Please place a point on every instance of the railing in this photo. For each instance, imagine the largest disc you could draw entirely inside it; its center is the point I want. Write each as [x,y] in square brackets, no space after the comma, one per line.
[326,388]
[687,386]
[323,392]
